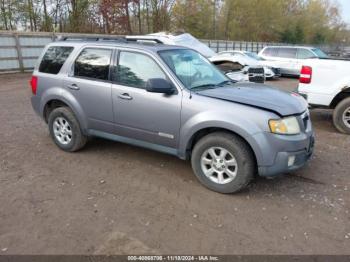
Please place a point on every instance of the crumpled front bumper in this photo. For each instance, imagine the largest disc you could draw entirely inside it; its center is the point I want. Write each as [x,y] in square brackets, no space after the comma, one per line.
[287,161]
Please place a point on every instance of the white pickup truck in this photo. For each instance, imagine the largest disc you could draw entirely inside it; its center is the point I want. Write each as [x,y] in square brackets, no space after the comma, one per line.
[325,83]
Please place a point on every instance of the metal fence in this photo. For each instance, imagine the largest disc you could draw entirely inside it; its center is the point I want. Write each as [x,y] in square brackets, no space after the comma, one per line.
[19,51]
[223,45]
[336,51]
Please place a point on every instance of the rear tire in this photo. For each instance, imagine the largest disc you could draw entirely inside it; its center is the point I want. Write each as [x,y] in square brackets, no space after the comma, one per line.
[223,162]
[65,130]
[341,116]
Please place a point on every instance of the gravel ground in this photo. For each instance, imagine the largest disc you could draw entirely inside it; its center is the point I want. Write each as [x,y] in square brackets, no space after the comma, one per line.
[112,198]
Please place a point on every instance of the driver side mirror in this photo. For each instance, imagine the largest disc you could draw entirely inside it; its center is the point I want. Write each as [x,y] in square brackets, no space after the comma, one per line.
[160,85]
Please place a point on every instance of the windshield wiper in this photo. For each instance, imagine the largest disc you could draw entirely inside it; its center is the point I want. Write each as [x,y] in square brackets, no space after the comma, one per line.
[226,82]
[212,86]
[205,86]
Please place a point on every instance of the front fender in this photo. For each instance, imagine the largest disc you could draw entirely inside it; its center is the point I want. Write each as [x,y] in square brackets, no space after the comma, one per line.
[238,125]
[66,97]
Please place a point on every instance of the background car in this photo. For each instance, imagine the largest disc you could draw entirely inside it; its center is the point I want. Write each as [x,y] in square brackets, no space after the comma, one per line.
[325,84]
[237,70]
[252,59]
[291,58]
[183,39]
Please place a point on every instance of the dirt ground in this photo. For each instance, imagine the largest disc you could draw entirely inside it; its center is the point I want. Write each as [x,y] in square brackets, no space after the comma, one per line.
[112,198]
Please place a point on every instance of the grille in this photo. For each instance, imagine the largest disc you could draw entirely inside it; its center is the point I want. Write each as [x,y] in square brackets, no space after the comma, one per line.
[256,70]
[256,74]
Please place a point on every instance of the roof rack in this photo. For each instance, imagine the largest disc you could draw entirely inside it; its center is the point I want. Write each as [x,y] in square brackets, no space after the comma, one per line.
[92,38]
[143,39]
[119,39]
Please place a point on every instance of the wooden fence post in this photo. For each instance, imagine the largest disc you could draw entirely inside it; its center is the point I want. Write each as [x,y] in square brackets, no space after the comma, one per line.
[19,52]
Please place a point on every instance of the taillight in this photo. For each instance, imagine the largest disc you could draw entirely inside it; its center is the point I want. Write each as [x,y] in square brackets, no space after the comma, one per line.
[34,84]
[305,75]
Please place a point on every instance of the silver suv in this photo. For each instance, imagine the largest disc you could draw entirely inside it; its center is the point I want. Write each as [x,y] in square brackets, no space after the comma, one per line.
[173,100]
[290,58]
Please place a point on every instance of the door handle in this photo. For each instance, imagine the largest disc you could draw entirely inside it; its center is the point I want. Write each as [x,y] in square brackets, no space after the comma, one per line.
[125,96]
[73,87]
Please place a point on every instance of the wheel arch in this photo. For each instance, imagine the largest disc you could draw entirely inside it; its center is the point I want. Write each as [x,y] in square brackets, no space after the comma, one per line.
[344,93]
[196,136]
[50,106]
[53,100]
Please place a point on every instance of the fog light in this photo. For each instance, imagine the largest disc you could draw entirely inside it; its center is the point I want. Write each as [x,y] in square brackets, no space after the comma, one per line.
[291,160]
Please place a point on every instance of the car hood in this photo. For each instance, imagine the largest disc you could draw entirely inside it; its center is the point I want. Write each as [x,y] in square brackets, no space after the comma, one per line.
[260,96]
[235,59]
[269,63]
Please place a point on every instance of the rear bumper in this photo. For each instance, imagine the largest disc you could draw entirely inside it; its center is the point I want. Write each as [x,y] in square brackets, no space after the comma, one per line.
[273,76]
[286,161]
[36,104]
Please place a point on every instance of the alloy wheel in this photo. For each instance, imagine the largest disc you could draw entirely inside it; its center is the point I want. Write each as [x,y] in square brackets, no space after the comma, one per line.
[62,130]
[346,117]
[219,165]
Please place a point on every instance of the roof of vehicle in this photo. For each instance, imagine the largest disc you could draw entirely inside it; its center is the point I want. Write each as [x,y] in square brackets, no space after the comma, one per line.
[244,61]
[234,51]
[222,57]
[290,46]
[148,46]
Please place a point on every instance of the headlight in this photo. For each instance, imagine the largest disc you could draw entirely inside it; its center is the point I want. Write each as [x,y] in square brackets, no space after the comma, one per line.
[268,70]
[285,126]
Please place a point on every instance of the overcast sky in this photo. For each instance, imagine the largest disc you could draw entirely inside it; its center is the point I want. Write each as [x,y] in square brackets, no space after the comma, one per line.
[345,7]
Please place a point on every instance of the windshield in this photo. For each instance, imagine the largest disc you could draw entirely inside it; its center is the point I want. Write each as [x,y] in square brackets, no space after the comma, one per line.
[254,56]
[193,70]
[319,53]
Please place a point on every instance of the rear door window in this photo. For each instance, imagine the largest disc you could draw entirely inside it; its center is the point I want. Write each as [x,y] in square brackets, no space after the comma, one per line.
[54,58]
[270,51]
[93,63]
[287,52]
[304,54]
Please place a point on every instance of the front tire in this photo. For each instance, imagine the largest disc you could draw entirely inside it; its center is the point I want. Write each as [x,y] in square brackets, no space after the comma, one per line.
[223,162]
[65,130]
[341,116]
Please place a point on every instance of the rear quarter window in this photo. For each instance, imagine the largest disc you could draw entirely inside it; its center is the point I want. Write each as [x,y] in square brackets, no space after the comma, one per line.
[54,58]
